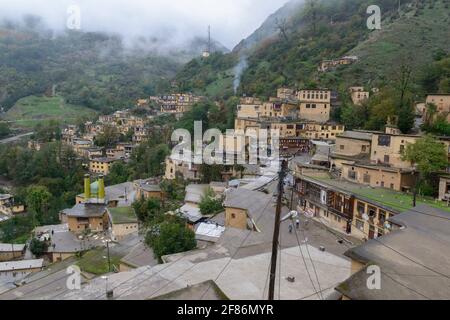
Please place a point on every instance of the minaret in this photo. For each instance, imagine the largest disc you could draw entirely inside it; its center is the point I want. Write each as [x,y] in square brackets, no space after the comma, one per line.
[101,189]
[87,188]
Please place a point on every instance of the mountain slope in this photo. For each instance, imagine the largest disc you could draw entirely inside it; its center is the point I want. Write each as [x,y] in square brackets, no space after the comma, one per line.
[95,70]
[412,39]
[269,29]
[328,29]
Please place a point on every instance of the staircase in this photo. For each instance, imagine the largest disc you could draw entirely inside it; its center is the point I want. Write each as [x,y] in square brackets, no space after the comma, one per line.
[336,173]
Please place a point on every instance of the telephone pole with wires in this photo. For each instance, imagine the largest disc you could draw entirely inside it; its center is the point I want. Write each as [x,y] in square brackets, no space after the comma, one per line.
[276,233]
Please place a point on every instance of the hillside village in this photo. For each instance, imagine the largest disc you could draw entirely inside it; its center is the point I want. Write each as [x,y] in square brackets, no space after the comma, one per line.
[347,186]
[357,175]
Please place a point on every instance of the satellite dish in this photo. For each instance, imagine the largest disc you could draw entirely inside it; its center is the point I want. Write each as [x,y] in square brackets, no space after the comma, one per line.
[290,215]
[365,217]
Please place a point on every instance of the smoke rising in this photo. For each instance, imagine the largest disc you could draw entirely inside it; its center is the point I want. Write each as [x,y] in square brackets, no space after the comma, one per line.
[238,71]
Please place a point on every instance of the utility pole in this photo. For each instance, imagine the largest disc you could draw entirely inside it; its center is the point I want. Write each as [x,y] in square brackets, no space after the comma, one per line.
[109,259]
[209,39]
[276,232]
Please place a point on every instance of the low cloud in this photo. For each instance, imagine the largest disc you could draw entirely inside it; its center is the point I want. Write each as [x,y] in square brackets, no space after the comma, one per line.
[175,21]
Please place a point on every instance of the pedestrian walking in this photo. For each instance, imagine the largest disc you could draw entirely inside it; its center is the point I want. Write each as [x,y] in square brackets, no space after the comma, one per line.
[297,223]
[290,228]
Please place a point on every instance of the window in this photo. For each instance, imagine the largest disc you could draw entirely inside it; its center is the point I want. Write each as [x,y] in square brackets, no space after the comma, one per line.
[352,175]
[361,207]
[382,217]
[402,149]
[386,159]
[313,106]
[233,216]
[364,148]
[384,141]
[372,212]
[366,178]
[308,106]
[360,225]
[342,147]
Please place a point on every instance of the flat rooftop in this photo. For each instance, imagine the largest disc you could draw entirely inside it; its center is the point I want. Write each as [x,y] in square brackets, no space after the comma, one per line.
[414,260]
[238,279]
[21,265]
[123,215]
[8,247]
[393,200]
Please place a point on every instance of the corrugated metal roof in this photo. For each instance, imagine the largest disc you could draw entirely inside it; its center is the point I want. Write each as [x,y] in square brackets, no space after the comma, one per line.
[8,247]
[21,265]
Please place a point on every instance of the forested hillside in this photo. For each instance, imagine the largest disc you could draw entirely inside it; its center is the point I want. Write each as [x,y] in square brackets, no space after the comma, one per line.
[94,70]
[325,29]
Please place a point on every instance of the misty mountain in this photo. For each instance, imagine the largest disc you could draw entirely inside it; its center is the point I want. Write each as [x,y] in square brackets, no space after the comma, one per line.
[329,29]
[97,70]
[269,28]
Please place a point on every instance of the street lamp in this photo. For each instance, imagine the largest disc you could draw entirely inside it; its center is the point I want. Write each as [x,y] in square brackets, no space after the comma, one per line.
[109,259]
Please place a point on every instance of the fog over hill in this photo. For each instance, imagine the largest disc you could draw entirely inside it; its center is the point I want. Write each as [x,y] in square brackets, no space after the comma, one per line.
[158,22]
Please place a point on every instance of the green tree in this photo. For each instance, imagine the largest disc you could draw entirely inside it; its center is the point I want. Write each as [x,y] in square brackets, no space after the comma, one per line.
[108,138]
[429,156]
[47,131]
[210,173]
[170,237]
[4,130]
[38,248]
[119,173]
[406,118]
[149,211]
[210,203]
[38,199]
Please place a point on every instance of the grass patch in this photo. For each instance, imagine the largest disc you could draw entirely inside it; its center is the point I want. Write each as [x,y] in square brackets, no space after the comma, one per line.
[31,110]
[123,215]
[392,199]
[94,261]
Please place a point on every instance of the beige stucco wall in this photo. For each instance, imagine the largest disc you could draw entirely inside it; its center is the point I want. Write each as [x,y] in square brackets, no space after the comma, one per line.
[378,153]
[442,103]
[100,167]
[352,147]
[9,256]
[375,223]
[236,218]
[60,256]
[321,112]
[443,182]
[378,177]
[96,224]
[119,231]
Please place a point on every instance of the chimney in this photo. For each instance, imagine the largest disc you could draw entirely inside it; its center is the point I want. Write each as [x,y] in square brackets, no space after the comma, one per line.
[87,188]
[101,188]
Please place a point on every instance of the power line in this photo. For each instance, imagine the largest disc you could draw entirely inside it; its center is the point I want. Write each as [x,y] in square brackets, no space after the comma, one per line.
[304,262]
[401,254]
[151,276]
[237,251]
[312,262]
[405,286]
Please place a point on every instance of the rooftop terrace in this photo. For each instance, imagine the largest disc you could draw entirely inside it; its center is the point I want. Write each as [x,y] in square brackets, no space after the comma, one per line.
[397,201]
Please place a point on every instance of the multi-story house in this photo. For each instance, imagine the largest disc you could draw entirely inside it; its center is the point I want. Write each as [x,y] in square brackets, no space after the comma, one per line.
[315,104]
[442,103]
[351,146]
[358,95]
[249,107]
[347,207]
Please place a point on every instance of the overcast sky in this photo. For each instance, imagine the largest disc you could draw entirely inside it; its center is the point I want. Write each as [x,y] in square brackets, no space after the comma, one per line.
[230,20]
